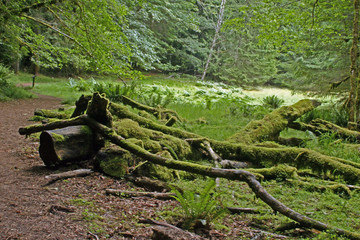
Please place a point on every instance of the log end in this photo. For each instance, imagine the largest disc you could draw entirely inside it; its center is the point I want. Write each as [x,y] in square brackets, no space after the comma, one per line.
[47,150]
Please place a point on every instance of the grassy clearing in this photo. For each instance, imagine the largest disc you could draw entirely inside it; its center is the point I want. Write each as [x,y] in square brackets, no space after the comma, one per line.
[218,111]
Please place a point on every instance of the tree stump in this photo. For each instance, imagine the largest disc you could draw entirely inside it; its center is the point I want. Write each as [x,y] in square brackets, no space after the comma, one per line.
[64,145]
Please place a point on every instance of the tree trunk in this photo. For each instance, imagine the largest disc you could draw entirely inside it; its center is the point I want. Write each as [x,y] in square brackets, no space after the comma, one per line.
[217,30]
[354,71]
[69,144]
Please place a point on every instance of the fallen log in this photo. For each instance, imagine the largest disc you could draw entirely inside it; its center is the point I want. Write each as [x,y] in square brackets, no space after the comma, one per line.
[240,175]
[242,150]
[70,144]
[153,184]
[235,210]
[50,114]
[269,128]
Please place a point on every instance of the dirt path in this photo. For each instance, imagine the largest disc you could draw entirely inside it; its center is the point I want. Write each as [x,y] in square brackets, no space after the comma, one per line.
[24,204]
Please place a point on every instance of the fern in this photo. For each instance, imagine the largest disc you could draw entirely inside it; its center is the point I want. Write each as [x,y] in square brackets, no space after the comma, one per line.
[202,207]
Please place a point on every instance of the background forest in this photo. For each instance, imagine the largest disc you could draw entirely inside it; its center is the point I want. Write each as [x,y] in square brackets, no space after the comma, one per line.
[301,44]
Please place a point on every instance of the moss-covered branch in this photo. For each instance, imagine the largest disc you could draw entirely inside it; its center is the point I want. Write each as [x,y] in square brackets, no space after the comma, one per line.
[51,126]
[319,126]
[158,112]
[269,128]
[297,157]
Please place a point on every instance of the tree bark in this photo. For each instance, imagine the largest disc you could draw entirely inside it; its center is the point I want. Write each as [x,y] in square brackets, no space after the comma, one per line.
[70,144]
[353,104]
[217,30]
[70,174]
[129,194]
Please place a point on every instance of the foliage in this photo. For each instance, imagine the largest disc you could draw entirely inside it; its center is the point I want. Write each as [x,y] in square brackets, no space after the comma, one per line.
[199,208]
[333,112]
[157,98]
[114,91]
[7,89]
[82,34]
[273,101]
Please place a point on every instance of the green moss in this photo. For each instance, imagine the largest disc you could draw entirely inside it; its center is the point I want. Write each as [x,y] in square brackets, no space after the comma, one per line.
[297,157]
[269,128]
[114,161]
[51,114]
[280,172]
[57,137]
[158,171]
[153,140]
[86,130]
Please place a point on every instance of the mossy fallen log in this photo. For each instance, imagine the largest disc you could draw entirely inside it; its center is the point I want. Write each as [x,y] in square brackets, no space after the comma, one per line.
[240,175]
[70,144]
[159,112]
[46,113]
[269,128]
[300,158]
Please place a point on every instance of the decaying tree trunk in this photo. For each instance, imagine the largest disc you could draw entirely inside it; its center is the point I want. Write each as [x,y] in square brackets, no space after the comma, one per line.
[269,128]
[148,140]
[69,144]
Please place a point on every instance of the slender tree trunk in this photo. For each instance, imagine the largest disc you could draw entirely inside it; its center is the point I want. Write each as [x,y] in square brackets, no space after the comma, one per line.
[217,30]
[354,71]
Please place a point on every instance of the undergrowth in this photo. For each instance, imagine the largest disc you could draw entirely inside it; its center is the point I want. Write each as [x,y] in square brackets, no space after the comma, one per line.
[8,90]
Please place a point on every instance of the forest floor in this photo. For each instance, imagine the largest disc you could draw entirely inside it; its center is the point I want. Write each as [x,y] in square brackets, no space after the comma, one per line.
[70,209]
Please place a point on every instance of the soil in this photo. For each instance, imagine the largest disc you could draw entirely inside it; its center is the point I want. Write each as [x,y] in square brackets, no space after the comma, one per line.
[76,208]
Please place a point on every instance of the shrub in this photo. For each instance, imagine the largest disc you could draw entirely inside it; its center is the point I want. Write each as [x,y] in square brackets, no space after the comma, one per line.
[8,90]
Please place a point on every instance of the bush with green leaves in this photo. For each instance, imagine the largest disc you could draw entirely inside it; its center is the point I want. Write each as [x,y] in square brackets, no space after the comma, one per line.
[7,89]
[200,209]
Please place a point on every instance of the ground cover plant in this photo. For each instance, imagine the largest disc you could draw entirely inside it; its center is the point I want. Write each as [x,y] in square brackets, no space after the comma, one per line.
[307,196]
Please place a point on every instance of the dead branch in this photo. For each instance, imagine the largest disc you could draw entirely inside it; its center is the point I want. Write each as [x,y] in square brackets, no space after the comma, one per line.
[70,174]
[168,231]
[129,194]
[234,210]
